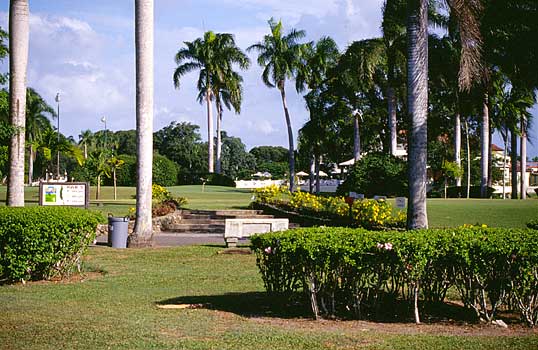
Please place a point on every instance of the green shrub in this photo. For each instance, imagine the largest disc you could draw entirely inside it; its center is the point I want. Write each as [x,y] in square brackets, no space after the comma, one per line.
[165,171]
[533,224]
[460,192]
[348,271]
[377,174]
[44,242]
[126,175]
[164,202]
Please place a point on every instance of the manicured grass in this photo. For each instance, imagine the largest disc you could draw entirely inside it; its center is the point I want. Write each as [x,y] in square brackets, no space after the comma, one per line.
[118,310]
[441,212]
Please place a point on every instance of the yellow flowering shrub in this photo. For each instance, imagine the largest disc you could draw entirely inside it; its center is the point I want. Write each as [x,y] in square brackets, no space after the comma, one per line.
[272,194]
[301,200]
[371,213]
[159,193]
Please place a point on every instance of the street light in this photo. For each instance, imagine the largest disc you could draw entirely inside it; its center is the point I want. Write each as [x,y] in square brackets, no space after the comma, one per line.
[103,119]
[57,99]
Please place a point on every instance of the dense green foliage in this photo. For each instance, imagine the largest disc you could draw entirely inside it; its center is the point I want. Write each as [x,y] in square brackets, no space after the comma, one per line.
[377,174]
[44,242]
[460,192]
[349,272]
[533,224]
[165,171]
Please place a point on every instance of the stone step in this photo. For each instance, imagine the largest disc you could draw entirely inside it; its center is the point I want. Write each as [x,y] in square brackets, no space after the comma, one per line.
[245,216]
[202,221]
[198,228]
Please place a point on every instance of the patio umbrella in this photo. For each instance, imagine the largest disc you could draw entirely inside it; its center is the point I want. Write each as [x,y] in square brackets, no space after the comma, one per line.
[301,173]
[322,173]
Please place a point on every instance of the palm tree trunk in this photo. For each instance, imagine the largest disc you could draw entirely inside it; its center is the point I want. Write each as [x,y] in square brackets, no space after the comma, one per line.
[312,174]
[115,185]
[417,86]
[85,151]
[505,142]
[468,159]
[31,165]
[316,167]
[19,33]
[98,190]
[484,152]
[457,145]
[219,138]
[523,155]
[143,230]
[356,138]
[291,149]
[513,163]
[210,146]
[393,123]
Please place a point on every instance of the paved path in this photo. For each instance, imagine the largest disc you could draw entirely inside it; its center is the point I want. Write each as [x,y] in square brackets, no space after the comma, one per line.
[169,239]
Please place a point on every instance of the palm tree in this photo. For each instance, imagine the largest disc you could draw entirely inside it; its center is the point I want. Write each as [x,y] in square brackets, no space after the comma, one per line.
[86,137]
[393,27]
[319,60]
[19,33]
[465,12]
[36,122]
[281,55]
[213,55]
[114,164]
[143,230]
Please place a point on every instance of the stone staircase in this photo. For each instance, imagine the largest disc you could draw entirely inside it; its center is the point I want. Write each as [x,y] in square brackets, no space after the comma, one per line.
[207,221]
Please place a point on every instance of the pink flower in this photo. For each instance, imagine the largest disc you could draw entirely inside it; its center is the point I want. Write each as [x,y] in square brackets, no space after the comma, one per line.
[379,246]
[268,250]
[388,246]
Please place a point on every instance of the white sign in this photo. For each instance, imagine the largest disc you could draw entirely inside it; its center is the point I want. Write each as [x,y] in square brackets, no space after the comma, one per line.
[69,194]
[400,202]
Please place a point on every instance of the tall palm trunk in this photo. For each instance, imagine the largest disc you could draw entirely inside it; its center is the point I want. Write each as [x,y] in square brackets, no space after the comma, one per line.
[316,167]
[218,165]
[457,145]
[393,124]
[143,230]
[210,145]
[98,190]
[417,85]
[291,149]
[312,174]
[513,163]
[31,157]
[468,158]
[85,151]
[19,33]
[484,151]
[504,135]
[115,184]
[523,155]
[356,138]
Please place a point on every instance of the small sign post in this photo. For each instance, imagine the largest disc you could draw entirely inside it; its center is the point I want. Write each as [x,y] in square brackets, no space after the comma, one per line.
[400,202]
[74,194]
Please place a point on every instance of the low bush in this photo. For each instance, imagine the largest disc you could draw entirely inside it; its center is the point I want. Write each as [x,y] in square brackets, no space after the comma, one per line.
[164,202]
[348,272]
[44,242]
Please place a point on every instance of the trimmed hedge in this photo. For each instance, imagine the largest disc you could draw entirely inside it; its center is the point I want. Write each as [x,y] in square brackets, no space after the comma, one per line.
[460,192]
[350,272]
[44,242]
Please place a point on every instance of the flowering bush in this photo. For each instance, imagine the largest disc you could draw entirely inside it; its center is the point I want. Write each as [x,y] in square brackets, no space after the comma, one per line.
[370,213]
[348,271]
[164,202]
[271,194]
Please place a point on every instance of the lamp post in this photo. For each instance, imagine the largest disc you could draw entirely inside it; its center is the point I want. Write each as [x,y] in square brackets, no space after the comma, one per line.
[103,119]
[57,99]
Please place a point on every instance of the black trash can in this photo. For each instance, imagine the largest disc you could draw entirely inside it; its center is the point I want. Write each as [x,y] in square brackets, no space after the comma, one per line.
[118,231]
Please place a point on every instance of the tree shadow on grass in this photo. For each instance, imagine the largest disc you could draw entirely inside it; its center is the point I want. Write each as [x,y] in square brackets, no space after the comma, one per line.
[247,304]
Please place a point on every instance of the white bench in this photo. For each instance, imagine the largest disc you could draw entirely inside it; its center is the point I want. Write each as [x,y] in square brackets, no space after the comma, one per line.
[236,229]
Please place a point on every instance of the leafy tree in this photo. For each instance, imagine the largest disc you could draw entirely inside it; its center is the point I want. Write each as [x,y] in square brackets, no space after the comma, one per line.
[126,140]
[114,164]
[181,142]
[281,56]
[3,53]
[377,174]
[269,154]
[86,138]
[236,161]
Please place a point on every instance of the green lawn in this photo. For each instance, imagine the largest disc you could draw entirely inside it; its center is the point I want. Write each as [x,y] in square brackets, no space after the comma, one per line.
[118,310]
[441,212]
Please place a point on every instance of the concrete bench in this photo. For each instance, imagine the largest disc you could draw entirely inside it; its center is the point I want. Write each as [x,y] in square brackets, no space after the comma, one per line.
[236,229]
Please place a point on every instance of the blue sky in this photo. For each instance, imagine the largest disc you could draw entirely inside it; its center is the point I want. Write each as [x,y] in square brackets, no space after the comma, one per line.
[85,50]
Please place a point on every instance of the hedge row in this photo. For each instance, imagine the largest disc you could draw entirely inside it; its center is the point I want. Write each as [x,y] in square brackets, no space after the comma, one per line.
[352,271]
[44,242]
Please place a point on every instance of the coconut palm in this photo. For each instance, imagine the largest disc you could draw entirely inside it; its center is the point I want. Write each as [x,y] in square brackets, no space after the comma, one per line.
[86,138]
[143,230]
[19,33]
[37,120]
[213,55]
[114,164]
[280,55]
